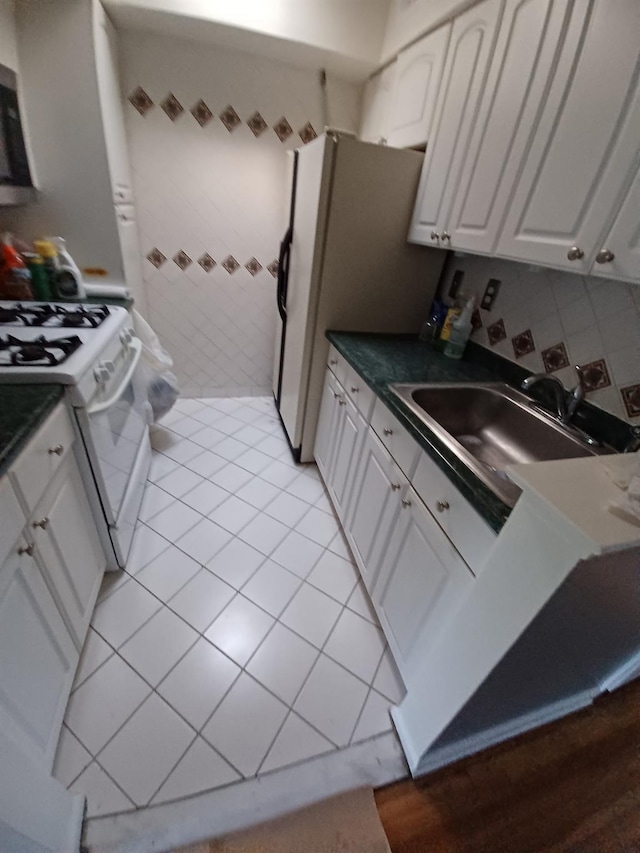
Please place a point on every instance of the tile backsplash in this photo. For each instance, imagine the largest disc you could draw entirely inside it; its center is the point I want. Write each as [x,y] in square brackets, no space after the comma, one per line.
[548,321]
[209,133]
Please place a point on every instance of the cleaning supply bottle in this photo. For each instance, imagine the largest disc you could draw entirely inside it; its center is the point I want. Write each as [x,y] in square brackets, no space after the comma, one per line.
[70,284]
[430,330]
[15,278]
[49,255]
[39,277]
[453,313]
[461,329]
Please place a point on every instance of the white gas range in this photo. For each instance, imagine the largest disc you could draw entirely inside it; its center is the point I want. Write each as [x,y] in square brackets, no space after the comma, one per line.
[93,351]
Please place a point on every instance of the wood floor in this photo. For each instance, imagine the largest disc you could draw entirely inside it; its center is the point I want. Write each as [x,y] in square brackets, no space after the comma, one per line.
[573,785]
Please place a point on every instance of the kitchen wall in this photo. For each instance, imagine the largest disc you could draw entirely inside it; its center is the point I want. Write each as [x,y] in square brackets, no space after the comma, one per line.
[8,40]
[548,321]
[209,134]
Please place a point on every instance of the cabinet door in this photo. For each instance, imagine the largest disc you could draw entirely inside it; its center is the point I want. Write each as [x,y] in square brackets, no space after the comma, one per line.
[523,61]
[422,580]
[619,255]
[327,424]
[348,443]
[375,504]
[468,57]
[418,74]
[585,146]
[37,657]
[376,104]
[68,546]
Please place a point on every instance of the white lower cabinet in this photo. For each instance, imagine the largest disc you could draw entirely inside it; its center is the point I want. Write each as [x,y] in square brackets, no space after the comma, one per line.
[38,657]
[327,425]
[421,578]
[348,443]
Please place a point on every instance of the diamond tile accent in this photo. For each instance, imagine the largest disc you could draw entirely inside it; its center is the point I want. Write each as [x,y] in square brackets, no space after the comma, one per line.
[230,264]
[283,129]
[253,266]
[156,258]
[496,332]
[182,259]
[555,357]
[307,133]
[201,113]
[273,267]
[141,101]
[206,262]
[523,343]
[596,375]
[631,400]
[172,106]
[230,118]
[257,125]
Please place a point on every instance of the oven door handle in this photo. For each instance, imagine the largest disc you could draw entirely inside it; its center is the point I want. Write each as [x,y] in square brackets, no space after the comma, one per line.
[136,346]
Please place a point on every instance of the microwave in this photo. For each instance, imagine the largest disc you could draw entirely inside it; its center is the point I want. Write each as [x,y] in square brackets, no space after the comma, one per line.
[16,186]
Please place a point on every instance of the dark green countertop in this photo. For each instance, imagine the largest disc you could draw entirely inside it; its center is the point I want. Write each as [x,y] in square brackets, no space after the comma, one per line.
[383,359]
[22,409]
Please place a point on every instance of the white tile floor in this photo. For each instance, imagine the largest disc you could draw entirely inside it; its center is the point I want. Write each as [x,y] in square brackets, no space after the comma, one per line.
[240,640]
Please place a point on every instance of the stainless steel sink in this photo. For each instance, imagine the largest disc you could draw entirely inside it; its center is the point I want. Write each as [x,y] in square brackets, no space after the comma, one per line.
[489,426]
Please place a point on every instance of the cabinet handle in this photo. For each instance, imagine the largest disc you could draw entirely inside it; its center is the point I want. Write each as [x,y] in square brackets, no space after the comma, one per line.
[445,235]
[406,502]
[43,523]
[342,402]
[333,361]
[395,487]
[442,505]
[58,449]
[335,395]
[354,389]
[435,235]
[604,256]
[575,253]
[387,431]
[26,549]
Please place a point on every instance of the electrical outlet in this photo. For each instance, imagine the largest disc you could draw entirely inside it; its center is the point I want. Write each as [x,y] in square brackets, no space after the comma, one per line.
[456,284]
[490,294]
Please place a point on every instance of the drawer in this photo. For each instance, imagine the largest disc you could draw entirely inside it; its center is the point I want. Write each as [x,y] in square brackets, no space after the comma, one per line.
[395,438]
[42,457]
[12,518]
[467,530]
[359,392]
[337,364]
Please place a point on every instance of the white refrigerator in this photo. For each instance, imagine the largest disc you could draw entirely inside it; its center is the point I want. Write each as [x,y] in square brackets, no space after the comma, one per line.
[345,265]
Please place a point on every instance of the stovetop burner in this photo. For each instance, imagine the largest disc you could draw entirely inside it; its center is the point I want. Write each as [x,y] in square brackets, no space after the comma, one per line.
[37,353]
[54,316]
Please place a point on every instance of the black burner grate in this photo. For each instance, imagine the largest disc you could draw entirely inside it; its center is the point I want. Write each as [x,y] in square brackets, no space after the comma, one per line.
[37,353]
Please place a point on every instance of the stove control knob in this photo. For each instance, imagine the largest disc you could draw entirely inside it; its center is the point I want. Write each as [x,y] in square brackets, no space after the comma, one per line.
[101,374]
[126,336]
[109,365]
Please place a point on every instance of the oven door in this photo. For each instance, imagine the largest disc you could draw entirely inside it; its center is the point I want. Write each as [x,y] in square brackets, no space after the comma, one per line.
[115,427]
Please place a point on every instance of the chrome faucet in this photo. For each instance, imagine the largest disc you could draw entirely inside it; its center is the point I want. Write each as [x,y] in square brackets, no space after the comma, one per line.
[566,410]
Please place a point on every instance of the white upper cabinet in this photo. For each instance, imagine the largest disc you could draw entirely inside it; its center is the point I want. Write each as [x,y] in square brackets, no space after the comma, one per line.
[468,57]
[418,75]
[583,153]
[619,254]
[376,105]
[523,61]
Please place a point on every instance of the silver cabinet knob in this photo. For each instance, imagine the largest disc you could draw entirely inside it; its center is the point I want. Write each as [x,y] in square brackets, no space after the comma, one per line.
[442,505]
[57,449]
[604,256]
[445,235]
[406,502]
[333,361]
[335,395]
[395,487]
[342,402]
[26,549]
[435,235]
[387,431]
[354,389]
[43,523]
[575,253]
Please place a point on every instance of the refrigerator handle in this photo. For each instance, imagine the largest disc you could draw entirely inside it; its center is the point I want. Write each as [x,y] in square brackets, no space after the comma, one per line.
[283,273]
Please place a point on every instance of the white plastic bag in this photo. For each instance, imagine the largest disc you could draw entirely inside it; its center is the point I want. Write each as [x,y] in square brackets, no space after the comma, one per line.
[155,366]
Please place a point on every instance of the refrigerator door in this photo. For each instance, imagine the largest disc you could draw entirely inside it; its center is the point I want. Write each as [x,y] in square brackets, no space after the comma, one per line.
[304,261]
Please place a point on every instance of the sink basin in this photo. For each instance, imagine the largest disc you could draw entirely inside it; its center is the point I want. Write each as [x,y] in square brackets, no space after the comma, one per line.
[490,426]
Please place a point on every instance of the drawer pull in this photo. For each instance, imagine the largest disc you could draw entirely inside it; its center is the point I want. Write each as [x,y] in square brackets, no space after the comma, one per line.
[442,505]
[333,361]
[26,549]
[387,431]
[58,449]
[335,395]
[43,523]
[342,402]
[575,253]
[354,389]
[406,502]
[395,487]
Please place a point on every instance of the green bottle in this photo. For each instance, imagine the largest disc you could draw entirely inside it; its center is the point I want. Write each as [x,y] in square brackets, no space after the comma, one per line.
[39,277]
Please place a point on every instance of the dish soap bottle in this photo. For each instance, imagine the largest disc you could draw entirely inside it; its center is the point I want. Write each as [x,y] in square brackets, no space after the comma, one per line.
[461,329]
[69,284]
